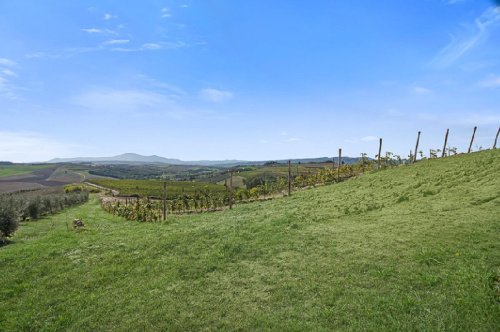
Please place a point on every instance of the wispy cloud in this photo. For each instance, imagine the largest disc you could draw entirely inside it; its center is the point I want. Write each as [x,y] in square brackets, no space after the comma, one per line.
[453,2]
[473,35]
[128,101]
[292,139]
[7,88]
[165,12]
[215,95]
[491,82]
[116,42]
[30,146]
[100,31]
[420,90]
[108,17]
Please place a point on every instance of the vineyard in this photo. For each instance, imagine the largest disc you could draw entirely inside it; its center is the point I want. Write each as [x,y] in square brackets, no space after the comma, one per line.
[185,197]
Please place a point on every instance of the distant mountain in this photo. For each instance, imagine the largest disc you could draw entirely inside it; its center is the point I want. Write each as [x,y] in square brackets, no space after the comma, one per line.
[134,158]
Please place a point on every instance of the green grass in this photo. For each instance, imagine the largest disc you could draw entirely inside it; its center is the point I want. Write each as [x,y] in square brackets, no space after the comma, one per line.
[10,170]
[155,187]
[411,248]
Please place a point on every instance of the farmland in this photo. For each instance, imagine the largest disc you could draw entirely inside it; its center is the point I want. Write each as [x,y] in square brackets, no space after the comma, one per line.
[406,248]
[144,188]
[20,169]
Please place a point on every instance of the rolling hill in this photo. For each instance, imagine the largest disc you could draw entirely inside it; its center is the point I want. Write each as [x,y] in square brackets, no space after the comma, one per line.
[408,248]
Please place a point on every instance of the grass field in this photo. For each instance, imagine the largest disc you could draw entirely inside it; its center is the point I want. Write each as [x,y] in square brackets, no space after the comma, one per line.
[145,188]
[409,248]
[10,170]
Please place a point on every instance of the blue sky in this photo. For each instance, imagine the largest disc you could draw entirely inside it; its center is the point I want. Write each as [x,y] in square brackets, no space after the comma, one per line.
[245,79]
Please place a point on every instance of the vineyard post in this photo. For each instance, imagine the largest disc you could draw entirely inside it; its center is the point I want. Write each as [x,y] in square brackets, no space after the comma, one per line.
[496,138]
[416,148]
[472,139]
[379,152]
[289,178]
[126,201]
[164,200]
[231,191]
[340,164]
[333,162]
[445,142]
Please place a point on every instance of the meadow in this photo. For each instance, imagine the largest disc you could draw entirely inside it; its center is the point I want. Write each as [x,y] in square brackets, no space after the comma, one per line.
[406,248]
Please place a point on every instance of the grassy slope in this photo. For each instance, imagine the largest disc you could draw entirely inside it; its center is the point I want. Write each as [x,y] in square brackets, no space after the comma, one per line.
[413,248]
[10,170]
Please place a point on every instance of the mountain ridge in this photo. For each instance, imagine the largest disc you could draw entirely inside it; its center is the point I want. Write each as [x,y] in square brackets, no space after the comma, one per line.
[130,157]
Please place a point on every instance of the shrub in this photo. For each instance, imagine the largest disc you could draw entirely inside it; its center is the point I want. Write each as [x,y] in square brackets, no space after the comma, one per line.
[9,216]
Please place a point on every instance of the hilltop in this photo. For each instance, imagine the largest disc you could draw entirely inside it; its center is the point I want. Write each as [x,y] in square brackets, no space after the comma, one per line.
[409,248]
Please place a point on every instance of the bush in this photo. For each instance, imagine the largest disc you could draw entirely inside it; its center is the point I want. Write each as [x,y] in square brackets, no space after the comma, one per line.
[9,217]
[33,205]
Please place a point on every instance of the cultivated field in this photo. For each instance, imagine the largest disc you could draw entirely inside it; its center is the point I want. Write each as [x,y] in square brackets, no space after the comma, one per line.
[407,248]
[154,188]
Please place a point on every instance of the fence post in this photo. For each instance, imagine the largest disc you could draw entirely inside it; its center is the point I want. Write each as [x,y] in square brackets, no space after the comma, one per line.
[379,152]
[472,139]
[496,138]
[165,200]
[416,148]
[231,191]
[289,178]
[445,142]
[340,164]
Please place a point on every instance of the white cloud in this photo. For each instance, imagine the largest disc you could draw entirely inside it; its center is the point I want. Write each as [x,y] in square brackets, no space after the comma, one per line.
[116,42]
[7,62]
[151,46]
[292,139]
[420,90]
[165,12]
[7,88]
[453,2]
[215,95]
[473,35]
[29,146]
[491,82]
[99,31]
[128,101]
[8,72]
[108,17]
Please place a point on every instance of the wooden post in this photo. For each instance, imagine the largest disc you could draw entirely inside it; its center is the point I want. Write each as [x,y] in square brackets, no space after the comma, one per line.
[472,139]
[165,200]
[416,148]
[496,138]
[333,162]
[445,142]
[379,152]
[340,164]
[231,191]
[289,178]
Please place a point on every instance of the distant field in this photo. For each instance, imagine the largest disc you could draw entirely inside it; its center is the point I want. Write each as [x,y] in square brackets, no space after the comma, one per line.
[150,188]
[10,170]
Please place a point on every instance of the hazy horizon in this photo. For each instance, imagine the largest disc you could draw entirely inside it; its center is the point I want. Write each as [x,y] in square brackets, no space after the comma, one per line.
[197,80]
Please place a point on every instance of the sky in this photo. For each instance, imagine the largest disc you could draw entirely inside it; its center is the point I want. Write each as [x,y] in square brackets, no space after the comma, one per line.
[248,80]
